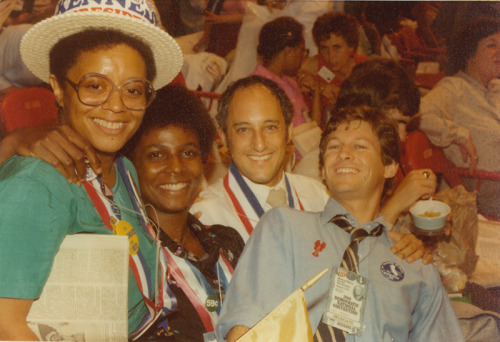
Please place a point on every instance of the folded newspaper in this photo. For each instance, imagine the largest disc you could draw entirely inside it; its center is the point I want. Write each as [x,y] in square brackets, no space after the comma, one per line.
[85,297]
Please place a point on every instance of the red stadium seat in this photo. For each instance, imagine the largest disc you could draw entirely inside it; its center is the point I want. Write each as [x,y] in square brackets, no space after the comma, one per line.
[207,97]
[420,153]
[28,107]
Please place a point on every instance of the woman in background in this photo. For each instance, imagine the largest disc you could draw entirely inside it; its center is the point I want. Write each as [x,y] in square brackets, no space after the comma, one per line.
[336,36]
[461,113]
[281,51]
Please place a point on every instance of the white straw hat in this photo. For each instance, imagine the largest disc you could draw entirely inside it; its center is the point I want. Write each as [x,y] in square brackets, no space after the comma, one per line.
[135,17]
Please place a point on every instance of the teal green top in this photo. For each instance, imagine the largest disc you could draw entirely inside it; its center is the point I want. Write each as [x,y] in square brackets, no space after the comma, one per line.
[38,208]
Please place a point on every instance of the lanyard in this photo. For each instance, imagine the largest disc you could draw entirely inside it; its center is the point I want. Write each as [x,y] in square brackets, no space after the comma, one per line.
[251,200]
[195,286]
[111,217]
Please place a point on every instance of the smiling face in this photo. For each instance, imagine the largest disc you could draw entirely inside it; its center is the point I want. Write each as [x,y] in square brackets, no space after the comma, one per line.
[107,126]
[257,135]
[353,167]
[335,53]
[169,167]
[484,65]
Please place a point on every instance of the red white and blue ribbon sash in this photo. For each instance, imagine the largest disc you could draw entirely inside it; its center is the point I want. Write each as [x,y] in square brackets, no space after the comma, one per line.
[137,262]
[244,201]
[195,286]
[165,301]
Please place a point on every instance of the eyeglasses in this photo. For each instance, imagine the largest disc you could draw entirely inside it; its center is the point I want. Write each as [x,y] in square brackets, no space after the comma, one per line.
[95,89]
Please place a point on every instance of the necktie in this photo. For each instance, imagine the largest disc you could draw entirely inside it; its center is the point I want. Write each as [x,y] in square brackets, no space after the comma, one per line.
[350,261]
[277,197]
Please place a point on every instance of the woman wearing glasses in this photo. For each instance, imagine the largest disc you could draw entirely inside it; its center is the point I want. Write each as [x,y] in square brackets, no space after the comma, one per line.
[103,67]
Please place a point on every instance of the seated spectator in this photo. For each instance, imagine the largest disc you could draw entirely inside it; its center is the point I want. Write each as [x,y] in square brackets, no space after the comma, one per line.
[168,151]
[460,115]
[281,51]
[336,37]
[359,154]
[244,59]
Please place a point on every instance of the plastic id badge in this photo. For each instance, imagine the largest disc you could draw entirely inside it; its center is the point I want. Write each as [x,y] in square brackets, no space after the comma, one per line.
[326,74]
[346,302]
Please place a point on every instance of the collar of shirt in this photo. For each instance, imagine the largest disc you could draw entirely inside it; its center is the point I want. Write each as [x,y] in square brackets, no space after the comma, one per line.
[262,191]
[333,208]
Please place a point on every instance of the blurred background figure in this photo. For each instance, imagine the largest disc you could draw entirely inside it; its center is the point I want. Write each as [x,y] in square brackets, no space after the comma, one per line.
[281,51]
[461,115]
[13,72]
[336,37]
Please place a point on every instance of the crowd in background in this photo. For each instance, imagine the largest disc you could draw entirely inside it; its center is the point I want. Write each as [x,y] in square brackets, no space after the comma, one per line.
[286,75]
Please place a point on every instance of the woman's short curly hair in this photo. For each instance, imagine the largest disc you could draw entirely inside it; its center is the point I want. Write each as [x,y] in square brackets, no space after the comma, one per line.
[339,24]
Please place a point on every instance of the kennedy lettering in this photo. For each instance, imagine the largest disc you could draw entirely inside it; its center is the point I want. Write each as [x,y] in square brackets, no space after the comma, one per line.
[139,9]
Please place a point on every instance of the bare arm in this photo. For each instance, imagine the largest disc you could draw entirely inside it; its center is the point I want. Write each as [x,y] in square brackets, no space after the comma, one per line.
[415,186]
[59,146]
[13,314]
[311,87]
[236,332]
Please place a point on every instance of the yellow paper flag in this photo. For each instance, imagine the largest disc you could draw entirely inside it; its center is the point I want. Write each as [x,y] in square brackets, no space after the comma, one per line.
[288,322]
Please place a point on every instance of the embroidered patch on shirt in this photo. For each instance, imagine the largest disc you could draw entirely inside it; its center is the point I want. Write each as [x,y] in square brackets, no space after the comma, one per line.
[318,247]
[392,271]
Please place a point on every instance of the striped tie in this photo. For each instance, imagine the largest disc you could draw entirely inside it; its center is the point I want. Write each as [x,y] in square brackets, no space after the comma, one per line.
[350,261]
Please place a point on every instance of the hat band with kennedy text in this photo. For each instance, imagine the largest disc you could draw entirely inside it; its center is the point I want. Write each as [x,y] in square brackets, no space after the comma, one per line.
[140,9]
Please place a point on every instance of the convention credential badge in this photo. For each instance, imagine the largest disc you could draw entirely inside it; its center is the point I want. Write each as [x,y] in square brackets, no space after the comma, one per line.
[346,301]
[326,74]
